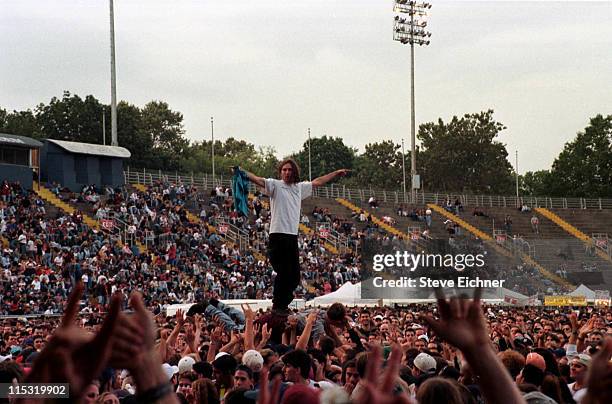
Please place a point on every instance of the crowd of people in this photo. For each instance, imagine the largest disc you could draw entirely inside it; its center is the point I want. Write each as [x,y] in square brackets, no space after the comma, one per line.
[457,352]
[46,253]
[114,344]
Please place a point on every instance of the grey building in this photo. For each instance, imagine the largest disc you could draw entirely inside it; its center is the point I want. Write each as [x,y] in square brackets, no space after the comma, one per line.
[74,164]
[19,159]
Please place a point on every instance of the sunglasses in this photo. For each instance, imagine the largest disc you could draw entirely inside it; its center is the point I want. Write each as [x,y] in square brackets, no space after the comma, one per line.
[184,385]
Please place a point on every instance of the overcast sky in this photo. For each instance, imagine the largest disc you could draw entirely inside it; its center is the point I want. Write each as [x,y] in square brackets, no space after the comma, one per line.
[269,69]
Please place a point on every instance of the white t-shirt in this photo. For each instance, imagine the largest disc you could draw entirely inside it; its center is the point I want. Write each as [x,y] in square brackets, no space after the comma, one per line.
[577,395]
[285,204]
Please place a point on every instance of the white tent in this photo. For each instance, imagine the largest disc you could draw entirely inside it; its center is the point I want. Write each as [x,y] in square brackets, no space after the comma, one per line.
[583,291]
[349,294]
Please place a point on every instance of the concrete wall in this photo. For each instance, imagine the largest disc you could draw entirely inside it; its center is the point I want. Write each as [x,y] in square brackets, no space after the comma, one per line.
[74,171]
[14,173]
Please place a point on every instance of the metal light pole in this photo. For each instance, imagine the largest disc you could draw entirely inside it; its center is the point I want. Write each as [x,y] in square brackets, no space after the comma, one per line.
[517,179]
[114,141]
[411,31]
[404,169]
[212,135]
[103,127]
[309,163]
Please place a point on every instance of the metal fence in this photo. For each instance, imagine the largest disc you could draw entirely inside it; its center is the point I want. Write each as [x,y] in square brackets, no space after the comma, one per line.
[206,181]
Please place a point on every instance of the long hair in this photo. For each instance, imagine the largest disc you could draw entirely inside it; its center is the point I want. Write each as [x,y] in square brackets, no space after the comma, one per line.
[439,390]
[295,177]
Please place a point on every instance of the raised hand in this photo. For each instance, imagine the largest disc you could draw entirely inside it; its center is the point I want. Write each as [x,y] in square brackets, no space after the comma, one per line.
[587,328]
[461,322]
[292,321]
[312,317]
[249,314]
[216,334]
[599,379]
[134,349]
[265,395]
[382,393]
[266,332]
[73,355]
[180,318]
[135,336]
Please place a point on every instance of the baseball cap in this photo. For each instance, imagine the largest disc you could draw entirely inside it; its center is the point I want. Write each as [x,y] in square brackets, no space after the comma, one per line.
[170,370]
[583,359]
[220,354]
[186,364]
[253,360]
[425,362]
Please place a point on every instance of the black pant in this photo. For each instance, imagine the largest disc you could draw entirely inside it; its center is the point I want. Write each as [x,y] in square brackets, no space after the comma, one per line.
[284,256]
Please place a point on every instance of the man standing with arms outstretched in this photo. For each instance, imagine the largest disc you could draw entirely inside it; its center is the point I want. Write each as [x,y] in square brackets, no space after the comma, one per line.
[286,197]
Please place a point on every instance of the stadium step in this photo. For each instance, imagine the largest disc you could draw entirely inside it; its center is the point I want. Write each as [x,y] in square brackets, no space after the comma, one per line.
[307,230]
[489,240]
[140,187]
[388,228]
[195,219]
[569,228]
[51,198]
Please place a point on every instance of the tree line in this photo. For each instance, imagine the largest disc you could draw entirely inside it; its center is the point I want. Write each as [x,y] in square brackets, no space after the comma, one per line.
[462,155]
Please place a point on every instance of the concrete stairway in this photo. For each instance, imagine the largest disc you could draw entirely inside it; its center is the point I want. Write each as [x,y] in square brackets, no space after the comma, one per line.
[386,227]
[50,198]
[488,239]
[570,229]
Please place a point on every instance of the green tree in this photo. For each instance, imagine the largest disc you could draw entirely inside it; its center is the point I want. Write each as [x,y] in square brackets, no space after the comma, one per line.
[132,137]
[463,155]
[71,118]
[22,123]
[584,167]
[232,152]
[379,165]
[536,183]
[327,154]
[164,127]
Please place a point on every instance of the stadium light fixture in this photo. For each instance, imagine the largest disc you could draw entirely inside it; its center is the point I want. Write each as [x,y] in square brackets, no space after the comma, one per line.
[411,30]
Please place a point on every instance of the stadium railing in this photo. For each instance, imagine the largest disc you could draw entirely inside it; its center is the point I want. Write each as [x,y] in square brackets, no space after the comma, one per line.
[206,181]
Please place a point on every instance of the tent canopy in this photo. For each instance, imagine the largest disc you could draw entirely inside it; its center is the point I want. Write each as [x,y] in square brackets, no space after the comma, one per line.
[583,291]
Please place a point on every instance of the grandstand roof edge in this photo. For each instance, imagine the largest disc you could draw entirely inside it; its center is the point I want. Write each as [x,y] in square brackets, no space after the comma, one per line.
[20,141]
[92,149]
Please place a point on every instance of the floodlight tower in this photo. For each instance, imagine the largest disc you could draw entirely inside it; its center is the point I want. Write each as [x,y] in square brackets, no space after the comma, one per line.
[411,31]
[114,141]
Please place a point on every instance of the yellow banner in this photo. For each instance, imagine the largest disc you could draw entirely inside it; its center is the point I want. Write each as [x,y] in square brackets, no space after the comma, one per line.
[565,301]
